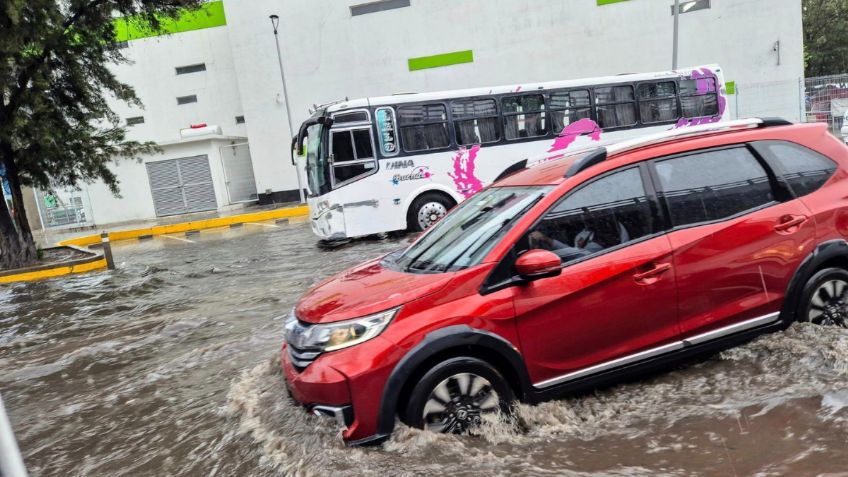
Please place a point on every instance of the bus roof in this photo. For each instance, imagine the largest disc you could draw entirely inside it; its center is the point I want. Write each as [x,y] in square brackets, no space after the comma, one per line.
[514,88]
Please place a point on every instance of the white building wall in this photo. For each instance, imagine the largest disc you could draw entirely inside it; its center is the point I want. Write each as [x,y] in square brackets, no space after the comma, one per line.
[152,72]
[136,201]
[328,54]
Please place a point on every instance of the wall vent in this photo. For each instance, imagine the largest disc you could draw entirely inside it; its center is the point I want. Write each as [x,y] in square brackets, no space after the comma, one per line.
[183,70]
[187,99]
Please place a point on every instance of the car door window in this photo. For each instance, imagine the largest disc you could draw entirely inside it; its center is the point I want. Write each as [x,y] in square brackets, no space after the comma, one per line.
[713,185]
[805,170]
[353,154]
[602,215]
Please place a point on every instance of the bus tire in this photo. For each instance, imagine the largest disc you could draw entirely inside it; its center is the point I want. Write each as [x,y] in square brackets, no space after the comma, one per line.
[427,209]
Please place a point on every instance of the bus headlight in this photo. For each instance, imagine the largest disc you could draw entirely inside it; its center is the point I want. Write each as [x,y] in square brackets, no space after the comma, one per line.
[338,335]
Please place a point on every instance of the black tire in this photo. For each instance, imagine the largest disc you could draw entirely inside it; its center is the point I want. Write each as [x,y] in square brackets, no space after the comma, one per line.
[434,205]
[463,408]
[825,298]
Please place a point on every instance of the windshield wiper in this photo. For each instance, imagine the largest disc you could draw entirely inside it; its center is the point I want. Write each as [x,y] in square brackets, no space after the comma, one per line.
[425,266]
[500,227]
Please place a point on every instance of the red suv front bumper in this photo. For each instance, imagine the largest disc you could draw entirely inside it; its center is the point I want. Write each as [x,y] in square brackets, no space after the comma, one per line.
[352,377]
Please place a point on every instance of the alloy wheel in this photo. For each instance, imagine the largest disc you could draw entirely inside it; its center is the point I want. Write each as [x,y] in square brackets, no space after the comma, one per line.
[829,304]
[458,403]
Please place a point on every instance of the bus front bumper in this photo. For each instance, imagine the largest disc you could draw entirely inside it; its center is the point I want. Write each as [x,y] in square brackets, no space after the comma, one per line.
[327,222]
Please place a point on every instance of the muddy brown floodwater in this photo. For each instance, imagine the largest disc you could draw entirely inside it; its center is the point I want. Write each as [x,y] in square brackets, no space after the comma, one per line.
[168,366]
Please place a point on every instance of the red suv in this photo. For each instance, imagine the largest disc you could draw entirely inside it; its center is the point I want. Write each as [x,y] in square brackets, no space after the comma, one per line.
[579,270]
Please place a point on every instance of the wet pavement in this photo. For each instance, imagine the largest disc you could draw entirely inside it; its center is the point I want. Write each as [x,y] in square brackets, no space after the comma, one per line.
[168,366]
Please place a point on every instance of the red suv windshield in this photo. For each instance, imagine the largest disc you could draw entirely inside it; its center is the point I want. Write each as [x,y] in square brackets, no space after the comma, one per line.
[466,235]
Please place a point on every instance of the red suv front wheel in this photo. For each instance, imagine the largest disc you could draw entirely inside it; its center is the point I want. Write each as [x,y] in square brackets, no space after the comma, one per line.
[454,396]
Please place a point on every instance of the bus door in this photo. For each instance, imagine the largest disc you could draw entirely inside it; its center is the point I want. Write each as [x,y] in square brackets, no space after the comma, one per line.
[352,157]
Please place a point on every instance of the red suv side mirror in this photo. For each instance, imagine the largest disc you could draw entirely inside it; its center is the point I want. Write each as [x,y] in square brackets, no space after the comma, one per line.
[537,263]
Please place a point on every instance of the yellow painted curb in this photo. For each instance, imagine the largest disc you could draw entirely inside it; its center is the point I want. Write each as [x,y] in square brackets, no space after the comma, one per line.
[54,272]
[193,225]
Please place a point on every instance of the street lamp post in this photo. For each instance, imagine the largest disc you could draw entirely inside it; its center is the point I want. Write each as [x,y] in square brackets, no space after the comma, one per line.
[676,32]
[275,23]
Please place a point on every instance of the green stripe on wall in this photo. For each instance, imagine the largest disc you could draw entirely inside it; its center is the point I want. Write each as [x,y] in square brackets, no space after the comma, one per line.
[445,59]
[607,2]
[208,16]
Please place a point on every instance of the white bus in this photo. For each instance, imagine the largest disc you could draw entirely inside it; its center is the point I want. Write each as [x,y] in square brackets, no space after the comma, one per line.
[400,162]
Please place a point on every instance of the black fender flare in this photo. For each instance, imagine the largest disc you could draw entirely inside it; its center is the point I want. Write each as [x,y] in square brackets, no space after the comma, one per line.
[434,343]
[822,253]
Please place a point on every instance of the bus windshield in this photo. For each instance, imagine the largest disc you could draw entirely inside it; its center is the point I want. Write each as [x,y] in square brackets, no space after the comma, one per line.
[317,168]
[464,237]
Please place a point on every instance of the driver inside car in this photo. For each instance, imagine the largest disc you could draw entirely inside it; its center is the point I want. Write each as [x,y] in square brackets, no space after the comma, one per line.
[584,244]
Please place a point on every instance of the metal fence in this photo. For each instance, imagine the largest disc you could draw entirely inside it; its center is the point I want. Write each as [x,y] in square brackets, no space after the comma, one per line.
[782,99]
[64,208]
[826,100]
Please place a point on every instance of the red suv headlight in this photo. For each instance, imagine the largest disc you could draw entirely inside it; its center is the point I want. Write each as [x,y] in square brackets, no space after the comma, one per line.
[307,341]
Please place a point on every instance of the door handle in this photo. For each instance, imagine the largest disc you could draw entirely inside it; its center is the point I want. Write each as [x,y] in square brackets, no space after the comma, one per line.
[658,269]
[789,221]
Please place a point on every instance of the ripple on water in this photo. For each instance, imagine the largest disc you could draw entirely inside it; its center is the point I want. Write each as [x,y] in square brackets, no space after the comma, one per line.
[162,368]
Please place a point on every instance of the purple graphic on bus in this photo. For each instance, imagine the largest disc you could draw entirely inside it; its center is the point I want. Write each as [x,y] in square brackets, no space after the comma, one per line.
[463,176]
[706,82]
[574,130]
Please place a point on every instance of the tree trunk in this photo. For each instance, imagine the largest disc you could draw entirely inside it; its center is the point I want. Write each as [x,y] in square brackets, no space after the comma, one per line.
[17,247]
[12,254]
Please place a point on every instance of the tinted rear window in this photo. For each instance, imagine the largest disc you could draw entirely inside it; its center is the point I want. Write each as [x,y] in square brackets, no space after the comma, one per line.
[805,170]
[713,185]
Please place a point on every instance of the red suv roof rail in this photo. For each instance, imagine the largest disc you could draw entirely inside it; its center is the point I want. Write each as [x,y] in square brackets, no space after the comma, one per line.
[600,154]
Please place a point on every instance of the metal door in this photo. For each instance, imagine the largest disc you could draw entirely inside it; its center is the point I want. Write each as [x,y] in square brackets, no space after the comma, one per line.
[238,169]
[181,186]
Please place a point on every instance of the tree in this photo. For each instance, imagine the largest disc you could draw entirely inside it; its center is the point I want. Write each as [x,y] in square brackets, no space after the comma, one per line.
[825,37]
[56,127]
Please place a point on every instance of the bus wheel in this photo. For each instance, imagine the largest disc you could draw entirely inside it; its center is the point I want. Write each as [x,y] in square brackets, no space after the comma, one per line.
[427,209]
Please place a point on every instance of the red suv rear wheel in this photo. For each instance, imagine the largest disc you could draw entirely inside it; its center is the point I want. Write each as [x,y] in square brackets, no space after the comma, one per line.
[825,298]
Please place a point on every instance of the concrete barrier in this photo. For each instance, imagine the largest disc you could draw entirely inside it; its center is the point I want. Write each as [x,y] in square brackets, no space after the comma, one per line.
[93,261]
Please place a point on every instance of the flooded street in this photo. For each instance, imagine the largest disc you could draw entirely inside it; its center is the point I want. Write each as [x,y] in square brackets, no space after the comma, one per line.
[168,366]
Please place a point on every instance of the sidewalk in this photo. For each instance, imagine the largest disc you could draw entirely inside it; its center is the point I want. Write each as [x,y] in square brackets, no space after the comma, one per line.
[172,224]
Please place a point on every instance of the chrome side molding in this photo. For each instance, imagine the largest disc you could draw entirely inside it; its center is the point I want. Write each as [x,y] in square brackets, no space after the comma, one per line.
[660,350]
[734,328]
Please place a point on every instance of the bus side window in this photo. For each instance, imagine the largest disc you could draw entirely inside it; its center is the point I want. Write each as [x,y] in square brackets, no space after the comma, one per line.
[353,154]
[524,116]
[616,106]
[568,107]
[697,103]
[475,121]
[658,102]
[423,127]
[342,147]
[362,142]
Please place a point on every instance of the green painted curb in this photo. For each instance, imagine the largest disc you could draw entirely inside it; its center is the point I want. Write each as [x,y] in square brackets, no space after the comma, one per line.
[437,61]
[607,2]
